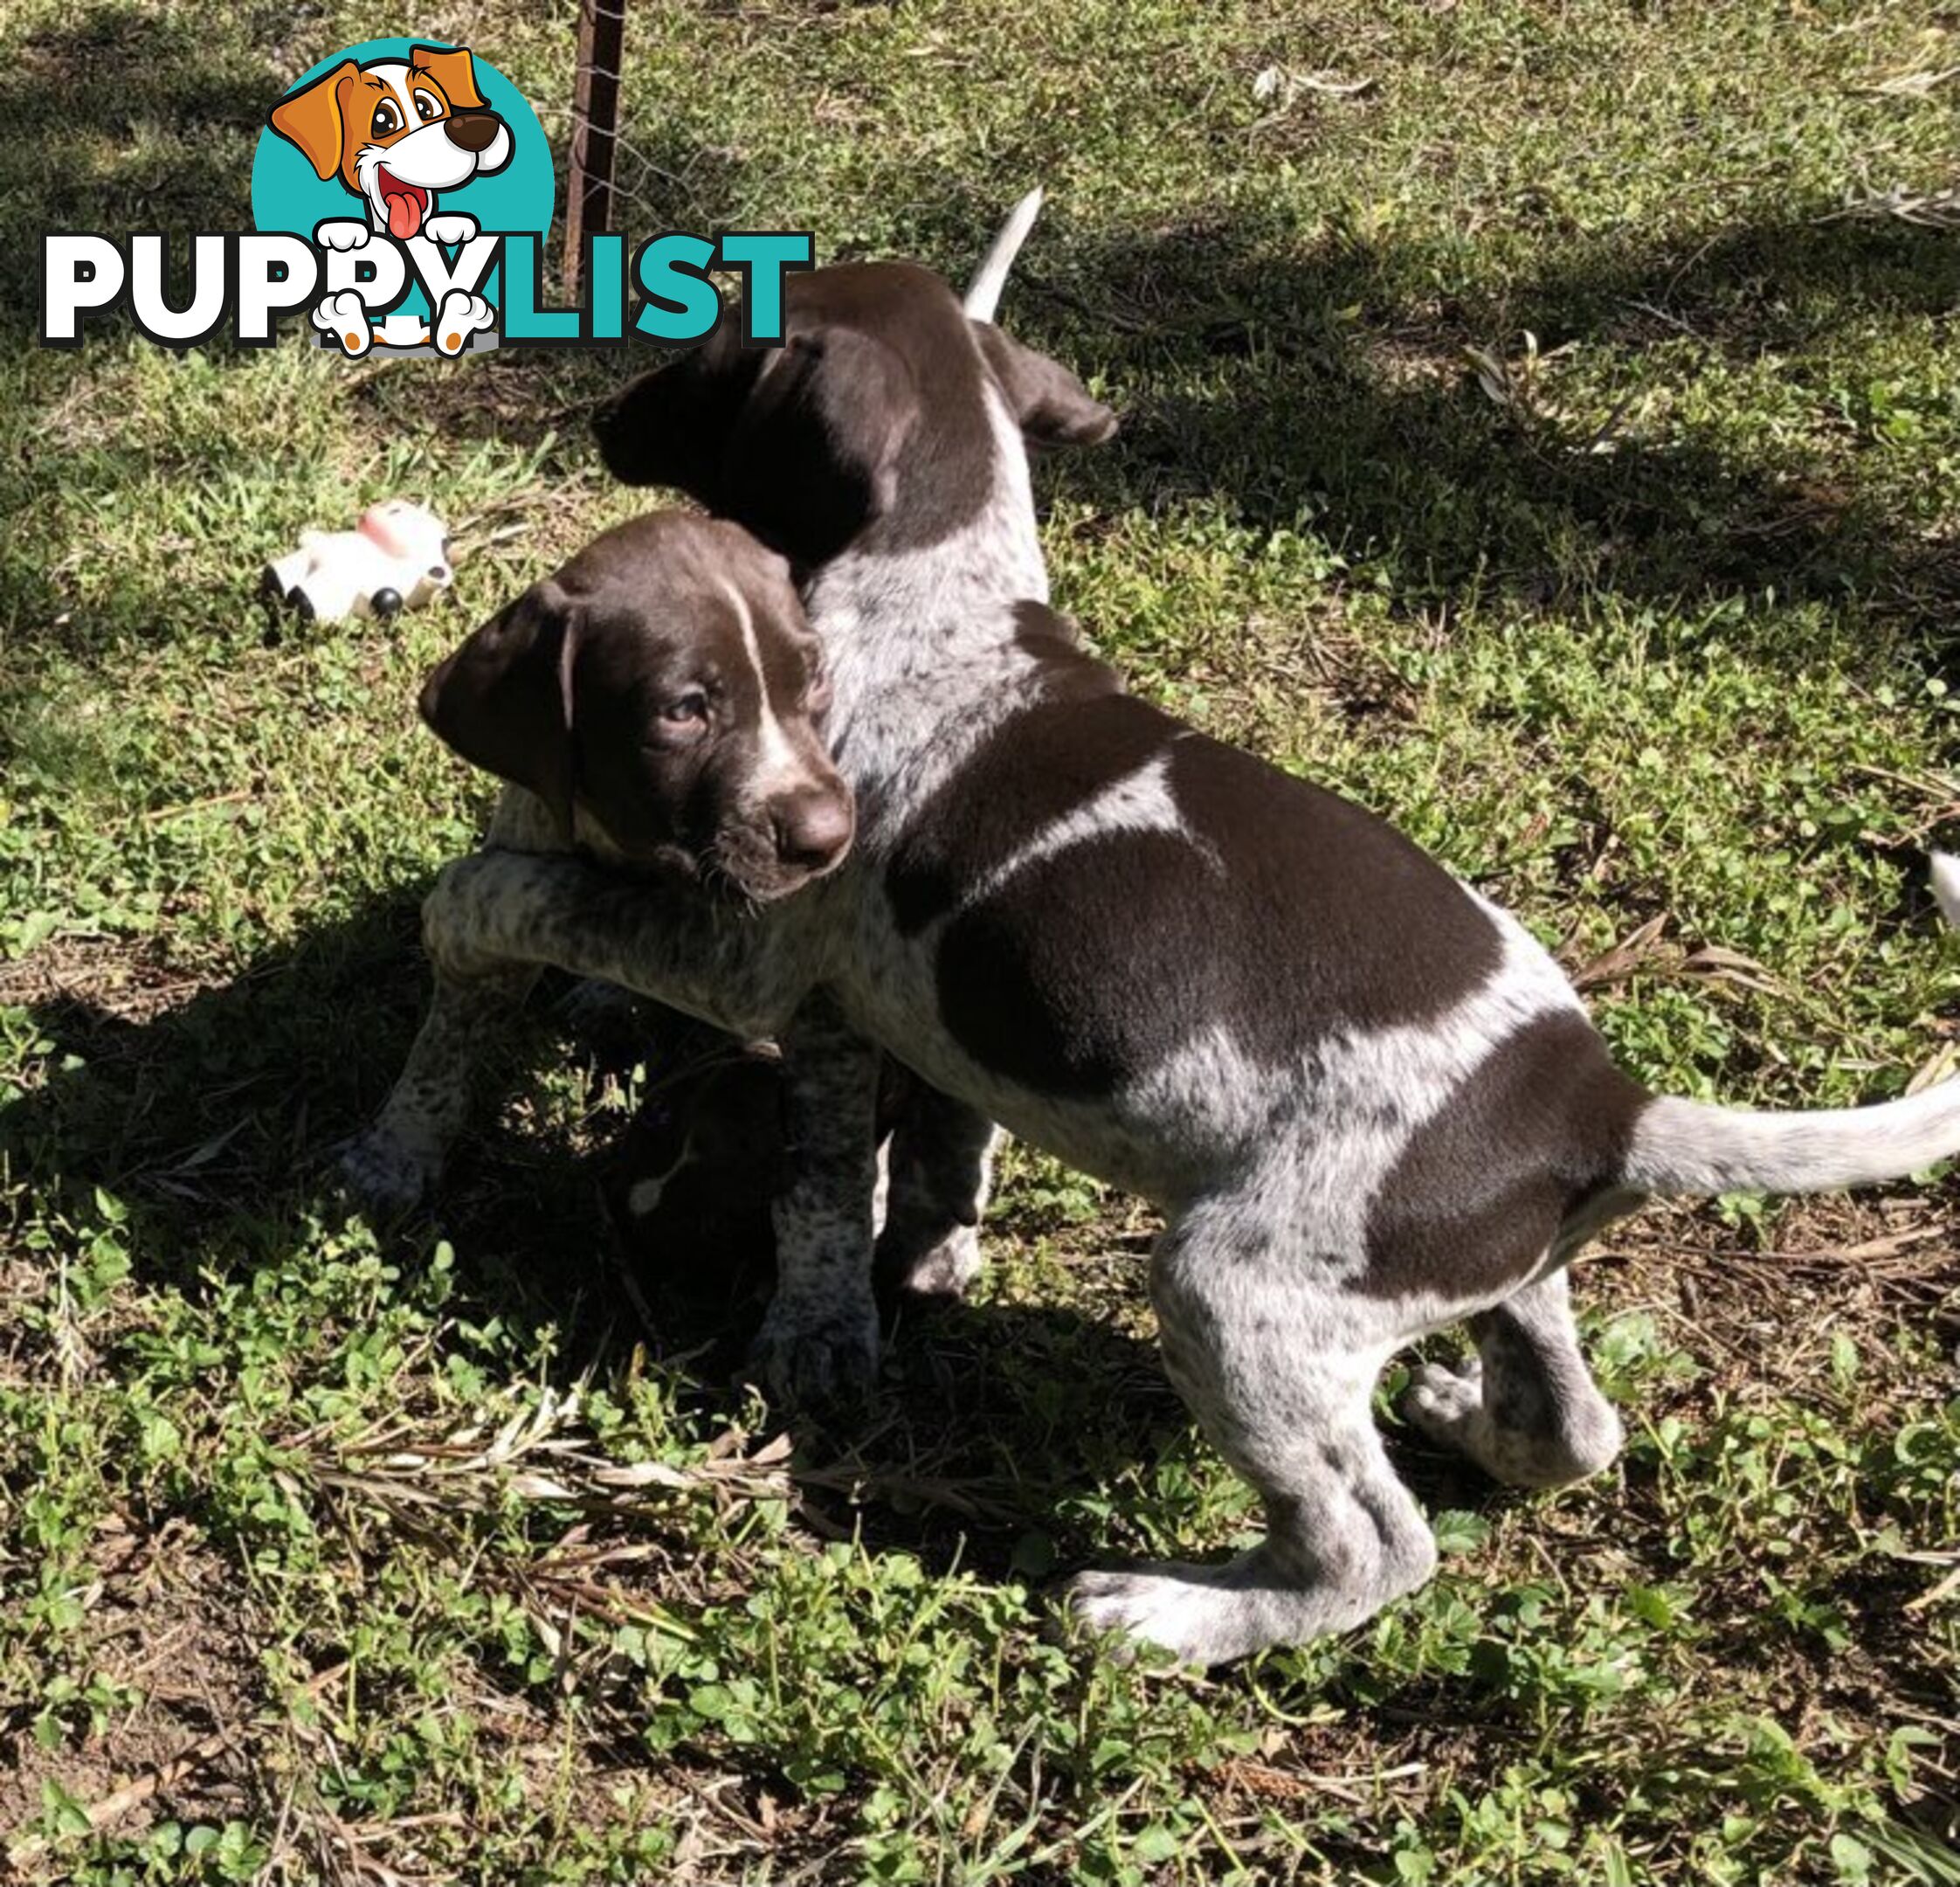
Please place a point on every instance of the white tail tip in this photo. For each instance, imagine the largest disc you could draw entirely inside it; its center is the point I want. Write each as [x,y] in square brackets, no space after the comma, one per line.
[984,297]
[1946,885]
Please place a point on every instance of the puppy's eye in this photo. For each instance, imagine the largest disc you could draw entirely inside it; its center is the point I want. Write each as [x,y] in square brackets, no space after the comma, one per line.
[427,105]
[388,118]
[685,713]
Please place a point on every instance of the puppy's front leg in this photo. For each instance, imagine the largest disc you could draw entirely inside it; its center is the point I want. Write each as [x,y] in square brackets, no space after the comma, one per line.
[396,1162]
[744,973]
[820,1336]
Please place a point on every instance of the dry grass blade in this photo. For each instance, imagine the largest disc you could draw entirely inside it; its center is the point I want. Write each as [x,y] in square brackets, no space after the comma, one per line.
[1328,86]
[1719,965]
[1933,209]
[111,1807]
[860,1483]
[573,1580]
[346,1853]
[1911,84]
[1614,964]
[1896,1257]
[1642,952]
[1492,375]
[1276,83]
[1938,1066]
[540,1454]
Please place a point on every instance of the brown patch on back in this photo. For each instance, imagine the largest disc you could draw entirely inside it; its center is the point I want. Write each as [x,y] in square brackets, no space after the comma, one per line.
[1088,730]
[1281,912]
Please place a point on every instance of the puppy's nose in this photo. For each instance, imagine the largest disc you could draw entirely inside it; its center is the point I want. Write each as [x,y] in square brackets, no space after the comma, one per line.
[474,130]
[813,827]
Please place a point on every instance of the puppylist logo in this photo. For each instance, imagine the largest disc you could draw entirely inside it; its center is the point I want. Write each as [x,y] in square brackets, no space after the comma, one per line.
[401,194]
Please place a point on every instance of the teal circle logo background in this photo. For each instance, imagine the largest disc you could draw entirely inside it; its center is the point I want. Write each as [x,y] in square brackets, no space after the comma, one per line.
[285,195]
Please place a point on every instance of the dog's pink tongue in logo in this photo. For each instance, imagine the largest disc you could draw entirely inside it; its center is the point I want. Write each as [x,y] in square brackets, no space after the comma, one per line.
[404,202]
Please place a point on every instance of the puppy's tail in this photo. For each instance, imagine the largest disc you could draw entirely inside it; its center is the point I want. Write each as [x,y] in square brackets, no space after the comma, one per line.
[984,296]
[1686,1147]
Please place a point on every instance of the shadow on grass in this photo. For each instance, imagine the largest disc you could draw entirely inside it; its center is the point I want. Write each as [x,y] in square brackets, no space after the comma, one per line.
[130,118]
[145,120]
[1329,385]
[1331,388]
[212,1113]
[136,118]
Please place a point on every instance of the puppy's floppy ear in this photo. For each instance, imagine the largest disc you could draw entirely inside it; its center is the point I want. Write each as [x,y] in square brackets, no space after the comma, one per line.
[1053,406]
[667,427]
[504,699]
[311,118]
[811,459]
[453,70]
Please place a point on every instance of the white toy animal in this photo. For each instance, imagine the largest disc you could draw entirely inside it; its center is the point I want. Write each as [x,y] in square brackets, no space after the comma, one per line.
[397,558]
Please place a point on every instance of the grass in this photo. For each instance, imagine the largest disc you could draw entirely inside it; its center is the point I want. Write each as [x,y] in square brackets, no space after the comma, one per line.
[1523,442]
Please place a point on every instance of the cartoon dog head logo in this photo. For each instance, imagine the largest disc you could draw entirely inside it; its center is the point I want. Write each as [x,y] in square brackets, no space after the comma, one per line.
[408,164]
[396,131]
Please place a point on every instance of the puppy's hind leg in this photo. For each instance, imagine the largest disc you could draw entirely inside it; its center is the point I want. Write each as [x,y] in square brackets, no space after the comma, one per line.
[941,1170]
[1277,1362]
[1525,1408]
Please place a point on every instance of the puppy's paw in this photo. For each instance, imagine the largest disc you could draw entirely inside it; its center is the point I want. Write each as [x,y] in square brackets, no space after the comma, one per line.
[345,317]
[939,1273]
[449,226]
[1443,1399]
[1210,1615]
[460,315]
[386,1175]
[808,1356]
[1163,1612]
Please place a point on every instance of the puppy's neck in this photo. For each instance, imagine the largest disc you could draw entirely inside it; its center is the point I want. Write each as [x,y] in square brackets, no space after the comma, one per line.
[893,607]
[919,638]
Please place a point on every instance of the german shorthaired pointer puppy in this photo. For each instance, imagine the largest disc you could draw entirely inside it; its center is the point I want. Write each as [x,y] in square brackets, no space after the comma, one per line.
[1366,1100]
[658,702]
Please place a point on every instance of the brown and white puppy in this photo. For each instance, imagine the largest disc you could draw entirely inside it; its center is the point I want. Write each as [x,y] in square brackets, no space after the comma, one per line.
[1366,1100]
[395,132]
[656,703]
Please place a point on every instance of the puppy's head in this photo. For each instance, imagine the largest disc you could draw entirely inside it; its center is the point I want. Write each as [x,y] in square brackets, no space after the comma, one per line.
[397,130]
[873,409]
[662,696]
